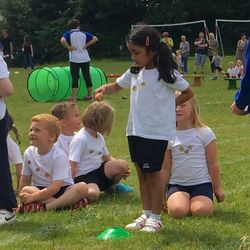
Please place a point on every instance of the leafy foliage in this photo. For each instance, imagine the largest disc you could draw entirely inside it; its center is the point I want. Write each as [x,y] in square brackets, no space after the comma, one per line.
[110,20]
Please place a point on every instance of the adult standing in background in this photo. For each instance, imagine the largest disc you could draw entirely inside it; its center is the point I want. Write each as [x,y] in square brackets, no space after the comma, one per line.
[7,46]
[7,195]
[28,52]
[241,49]
[167,40]
[200,53]
[241,105]
[184,49]
[77,42]
[212,51]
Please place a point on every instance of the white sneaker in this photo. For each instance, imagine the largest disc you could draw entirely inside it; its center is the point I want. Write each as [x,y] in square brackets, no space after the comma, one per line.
[6,217]
[138,224]
[152,226]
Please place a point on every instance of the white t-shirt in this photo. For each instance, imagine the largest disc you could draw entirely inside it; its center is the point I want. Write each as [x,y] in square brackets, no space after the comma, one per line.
[231,71]
[4,73]
[238,70]
[15,156]
[47,168]
[78,39]
[63,142]
[152,103]
[87,151]
[189,163]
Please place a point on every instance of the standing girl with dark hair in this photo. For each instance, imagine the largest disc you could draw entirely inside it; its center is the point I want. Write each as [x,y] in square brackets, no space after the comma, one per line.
[151,122]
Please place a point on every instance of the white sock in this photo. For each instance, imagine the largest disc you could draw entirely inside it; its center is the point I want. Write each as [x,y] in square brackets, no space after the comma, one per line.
[155,216]
[147,213]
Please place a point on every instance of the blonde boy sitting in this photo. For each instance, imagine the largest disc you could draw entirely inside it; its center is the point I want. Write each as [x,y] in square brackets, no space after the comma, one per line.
[47,167]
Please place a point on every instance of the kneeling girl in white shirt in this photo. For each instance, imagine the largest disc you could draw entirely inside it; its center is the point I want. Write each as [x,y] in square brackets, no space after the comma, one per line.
[192,169]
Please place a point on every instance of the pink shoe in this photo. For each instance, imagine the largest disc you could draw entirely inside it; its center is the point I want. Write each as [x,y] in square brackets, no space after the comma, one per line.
[83,203]
[34,207]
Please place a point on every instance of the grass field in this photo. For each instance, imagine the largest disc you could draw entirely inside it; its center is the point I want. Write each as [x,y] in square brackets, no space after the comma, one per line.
[228,228]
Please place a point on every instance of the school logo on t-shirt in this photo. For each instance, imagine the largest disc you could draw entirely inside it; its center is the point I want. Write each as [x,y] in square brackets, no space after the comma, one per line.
[184,149]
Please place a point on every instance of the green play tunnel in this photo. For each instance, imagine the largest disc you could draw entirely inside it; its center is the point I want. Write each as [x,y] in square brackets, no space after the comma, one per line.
[54,84]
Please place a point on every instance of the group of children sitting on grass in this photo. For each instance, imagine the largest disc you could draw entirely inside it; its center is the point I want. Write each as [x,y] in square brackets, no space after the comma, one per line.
[65,169]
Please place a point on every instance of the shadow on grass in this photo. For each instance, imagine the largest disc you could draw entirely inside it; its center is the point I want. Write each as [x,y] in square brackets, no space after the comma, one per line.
[126,198]
[196,237]
[230,217]
[37,230]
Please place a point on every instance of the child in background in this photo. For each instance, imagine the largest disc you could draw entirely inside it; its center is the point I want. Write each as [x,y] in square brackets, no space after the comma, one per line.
[69,116]
[216,66]
[47,166]
[89,157]
[151,121]
[192,169]
[231,73]
[239,69]
[179,61]
[15,156]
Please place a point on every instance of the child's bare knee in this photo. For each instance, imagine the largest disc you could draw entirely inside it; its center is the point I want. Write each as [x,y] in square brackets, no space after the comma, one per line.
[82,188]
[178,211]
[201,210]
[93,196]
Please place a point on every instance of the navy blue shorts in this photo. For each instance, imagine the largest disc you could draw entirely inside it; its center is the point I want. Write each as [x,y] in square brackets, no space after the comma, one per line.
[204,189]
[59,193]
[96,176]
[148,154]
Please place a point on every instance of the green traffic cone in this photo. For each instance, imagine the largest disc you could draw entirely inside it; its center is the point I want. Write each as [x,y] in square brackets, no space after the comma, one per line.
[115,233]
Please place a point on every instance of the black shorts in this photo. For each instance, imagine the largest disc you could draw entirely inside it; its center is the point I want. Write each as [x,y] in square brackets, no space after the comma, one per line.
[148,154]
[96,176]
[204,189]
[59,193]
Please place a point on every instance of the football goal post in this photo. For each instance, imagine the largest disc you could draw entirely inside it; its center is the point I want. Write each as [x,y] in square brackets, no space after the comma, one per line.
[189,29]
[230,29]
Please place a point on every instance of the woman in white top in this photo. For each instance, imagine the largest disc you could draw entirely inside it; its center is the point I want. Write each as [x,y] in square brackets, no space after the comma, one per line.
[77,43]
[192,169]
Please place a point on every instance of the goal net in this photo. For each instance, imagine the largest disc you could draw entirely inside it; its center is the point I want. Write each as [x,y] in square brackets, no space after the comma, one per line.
[228,33]
[175,30]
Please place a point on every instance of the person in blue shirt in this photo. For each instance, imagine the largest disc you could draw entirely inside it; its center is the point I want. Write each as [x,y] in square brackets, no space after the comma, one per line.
[77,42]
[241,104]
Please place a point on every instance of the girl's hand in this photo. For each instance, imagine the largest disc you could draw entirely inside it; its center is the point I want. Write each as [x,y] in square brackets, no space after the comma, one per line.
[219,194]
[100,90]
[127,174]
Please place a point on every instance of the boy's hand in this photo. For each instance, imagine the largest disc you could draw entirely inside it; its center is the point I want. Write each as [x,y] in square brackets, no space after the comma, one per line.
[26,198]
[219,194]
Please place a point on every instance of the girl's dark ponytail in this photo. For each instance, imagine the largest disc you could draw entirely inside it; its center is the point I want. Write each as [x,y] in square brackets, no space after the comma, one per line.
[165,63]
